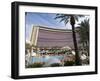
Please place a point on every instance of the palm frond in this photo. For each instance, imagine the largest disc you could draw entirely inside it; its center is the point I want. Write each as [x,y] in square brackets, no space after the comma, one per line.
[66,21]
[76,18]
[60,16]
[84,30]
[65,17]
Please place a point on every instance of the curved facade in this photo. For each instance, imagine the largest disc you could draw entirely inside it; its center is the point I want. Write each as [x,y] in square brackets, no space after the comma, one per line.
[49,37]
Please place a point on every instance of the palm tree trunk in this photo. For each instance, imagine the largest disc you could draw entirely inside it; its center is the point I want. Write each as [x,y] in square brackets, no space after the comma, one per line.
[77,57]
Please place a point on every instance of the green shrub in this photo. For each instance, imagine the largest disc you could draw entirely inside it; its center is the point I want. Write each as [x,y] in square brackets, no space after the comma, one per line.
[55,65]
[69,63]
[35,65]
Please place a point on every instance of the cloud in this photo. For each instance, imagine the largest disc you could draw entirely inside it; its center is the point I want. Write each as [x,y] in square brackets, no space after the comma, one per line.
[28,30]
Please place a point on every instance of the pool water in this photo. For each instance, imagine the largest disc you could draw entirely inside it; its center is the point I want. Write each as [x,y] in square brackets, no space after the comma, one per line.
[46,58]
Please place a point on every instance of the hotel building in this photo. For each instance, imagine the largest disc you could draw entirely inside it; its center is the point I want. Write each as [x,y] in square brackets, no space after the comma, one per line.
[44,37]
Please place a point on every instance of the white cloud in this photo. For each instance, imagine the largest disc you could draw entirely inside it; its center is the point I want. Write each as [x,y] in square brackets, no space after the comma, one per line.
[28,30]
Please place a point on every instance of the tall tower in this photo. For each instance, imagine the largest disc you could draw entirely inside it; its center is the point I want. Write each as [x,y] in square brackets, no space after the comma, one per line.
[34,35]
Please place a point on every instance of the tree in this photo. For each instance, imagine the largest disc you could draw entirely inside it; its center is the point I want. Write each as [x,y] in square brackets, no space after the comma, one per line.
[71,18]
[83,32]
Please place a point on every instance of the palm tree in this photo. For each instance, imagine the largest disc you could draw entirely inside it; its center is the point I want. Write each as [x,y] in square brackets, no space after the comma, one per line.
[83,32]
[66,18]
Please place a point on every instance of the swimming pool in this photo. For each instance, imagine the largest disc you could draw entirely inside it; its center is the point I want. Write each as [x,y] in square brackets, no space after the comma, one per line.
[46,58]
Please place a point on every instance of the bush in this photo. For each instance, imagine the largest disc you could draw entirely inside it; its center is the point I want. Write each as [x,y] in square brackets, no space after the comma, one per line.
[55,65]
[35,65]
[69,63]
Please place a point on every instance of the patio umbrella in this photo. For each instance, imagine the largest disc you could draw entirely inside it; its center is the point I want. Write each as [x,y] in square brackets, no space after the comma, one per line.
[66,47]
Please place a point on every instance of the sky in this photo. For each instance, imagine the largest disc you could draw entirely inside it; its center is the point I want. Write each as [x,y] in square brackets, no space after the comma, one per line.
[43,19]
